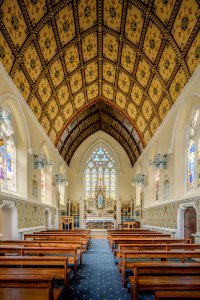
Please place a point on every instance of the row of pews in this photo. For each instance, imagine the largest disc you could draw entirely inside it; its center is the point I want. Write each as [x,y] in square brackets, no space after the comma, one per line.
[29,267]
[152,261]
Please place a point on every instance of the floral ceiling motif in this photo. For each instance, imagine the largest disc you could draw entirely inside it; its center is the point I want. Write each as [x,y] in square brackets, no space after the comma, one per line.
[135,55]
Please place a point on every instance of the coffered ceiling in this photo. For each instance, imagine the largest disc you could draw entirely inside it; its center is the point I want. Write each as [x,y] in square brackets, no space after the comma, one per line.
[112,65]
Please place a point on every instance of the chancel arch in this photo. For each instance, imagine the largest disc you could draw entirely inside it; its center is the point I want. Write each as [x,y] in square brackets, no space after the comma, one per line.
[100,182]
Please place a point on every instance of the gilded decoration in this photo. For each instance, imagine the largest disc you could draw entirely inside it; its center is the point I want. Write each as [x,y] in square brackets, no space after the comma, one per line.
[72,58]
[91,72]
[44,90]
[65,55]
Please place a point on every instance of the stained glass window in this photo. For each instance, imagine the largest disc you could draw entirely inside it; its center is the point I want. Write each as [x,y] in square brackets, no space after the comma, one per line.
[100,172]
[193,152]
[198,164]
[157,183]
[7,156]
[43,183]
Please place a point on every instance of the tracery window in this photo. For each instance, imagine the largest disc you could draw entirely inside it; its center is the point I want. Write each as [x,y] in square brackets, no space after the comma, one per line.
[100,171]
[193,152]
[7,155]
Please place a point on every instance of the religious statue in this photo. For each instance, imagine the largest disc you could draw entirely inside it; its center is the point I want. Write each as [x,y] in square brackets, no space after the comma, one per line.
[100,200]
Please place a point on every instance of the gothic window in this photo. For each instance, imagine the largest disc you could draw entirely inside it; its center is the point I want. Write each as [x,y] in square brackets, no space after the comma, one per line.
[43,184]
[157,183]
[193,152]
[100,172]
[7,153]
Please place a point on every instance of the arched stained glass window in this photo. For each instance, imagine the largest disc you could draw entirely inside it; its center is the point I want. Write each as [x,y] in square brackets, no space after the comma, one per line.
[7,154]
[43,184]
[191,165]
[193,152]
[198,164]
[157,183]
[100,171]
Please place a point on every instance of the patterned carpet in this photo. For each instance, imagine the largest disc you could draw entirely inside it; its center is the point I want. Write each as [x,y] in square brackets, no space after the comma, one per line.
[98,277]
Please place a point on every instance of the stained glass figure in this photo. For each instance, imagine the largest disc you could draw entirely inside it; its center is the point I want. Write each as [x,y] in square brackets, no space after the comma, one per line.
[157,183]
[100,167]
[198,164]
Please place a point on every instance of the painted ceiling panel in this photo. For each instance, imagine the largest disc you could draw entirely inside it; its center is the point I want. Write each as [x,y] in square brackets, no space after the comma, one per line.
[130,58]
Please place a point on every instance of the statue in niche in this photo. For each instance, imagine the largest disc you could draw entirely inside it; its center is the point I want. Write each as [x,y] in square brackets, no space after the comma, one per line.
[100,200]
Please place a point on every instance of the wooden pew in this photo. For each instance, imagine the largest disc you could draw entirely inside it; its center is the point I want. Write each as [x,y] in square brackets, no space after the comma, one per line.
[33,265]
[164,277]
[153,247]
[173,295]
[128,255]
[149,241]
[71,253]
[55,237]
[23,287]
[42,243]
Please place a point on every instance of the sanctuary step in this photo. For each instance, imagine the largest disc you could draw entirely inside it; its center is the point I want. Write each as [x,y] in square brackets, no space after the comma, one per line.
[99,234]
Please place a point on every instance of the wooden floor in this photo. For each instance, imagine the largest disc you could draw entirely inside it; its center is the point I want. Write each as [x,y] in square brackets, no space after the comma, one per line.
[99,234]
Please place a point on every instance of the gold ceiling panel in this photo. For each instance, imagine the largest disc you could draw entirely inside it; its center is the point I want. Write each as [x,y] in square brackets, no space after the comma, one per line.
[63,95]
[108,91]
[32,62]
[92,91]
[147,109]
[89,46]
[163,10]
[87,12]
[128,58]
[22,83]
[155,90]
[113,14]
[110,46]
[136,55]
[131,110]
[36,10]
[91,72]
[44,90]
[14,22]
[68,111]
[123,82]
[134,24]
[52,108]
[185,22]
[120,100]
[65,24]
[137,94]
[72,58]
[152,42]
[167,62]
[177,84]
[47,42]
[45,123]
[79,100]
[109,72]
[6,53]
[164,108]
[143,72]
[76,82]
[56,73]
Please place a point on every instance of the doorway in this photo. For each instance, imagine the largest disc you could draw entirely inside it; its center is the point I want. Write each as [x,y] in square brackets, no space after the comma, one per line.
[190,223]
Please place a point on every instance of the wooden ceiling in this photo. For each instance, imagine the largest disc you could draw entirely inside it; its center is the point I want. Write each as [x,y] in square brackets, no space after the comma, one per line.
[112,65]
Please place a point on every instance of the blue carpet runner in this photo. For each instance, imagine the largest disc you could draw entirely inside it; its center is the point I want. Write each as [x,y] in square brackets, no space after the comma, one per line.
[98,277]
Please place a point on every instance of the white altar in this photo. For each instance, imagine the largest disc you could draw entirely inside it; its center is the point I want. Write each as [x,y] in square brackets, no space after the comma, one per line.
[100,223]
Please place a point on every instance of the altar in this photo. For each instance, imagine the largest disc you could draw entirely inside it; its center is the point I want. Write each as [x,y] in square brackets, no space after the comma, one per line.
[100,223]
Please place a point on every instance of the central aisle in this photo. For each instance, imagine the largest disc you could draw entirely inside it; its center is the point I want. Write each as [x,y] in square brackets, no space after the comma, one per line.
[98,277]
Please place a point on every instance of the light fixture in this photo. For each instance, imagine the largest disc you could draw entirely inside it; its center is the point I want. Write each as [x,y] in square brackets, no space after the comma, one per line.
[6,115]
[60,178]
[40,161]
[160,161]
[139,179]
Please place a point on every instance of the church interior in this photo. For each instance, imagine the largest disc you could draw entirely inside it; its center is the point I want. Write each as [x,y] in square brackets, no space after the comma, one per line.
[100,138]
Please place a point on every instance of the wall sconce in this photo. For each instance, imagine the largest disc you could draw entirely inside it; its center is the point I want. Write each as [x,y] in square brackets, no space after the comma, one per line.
[6,115]
[40,161]
[60,178]
[139,179]
[160,161]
